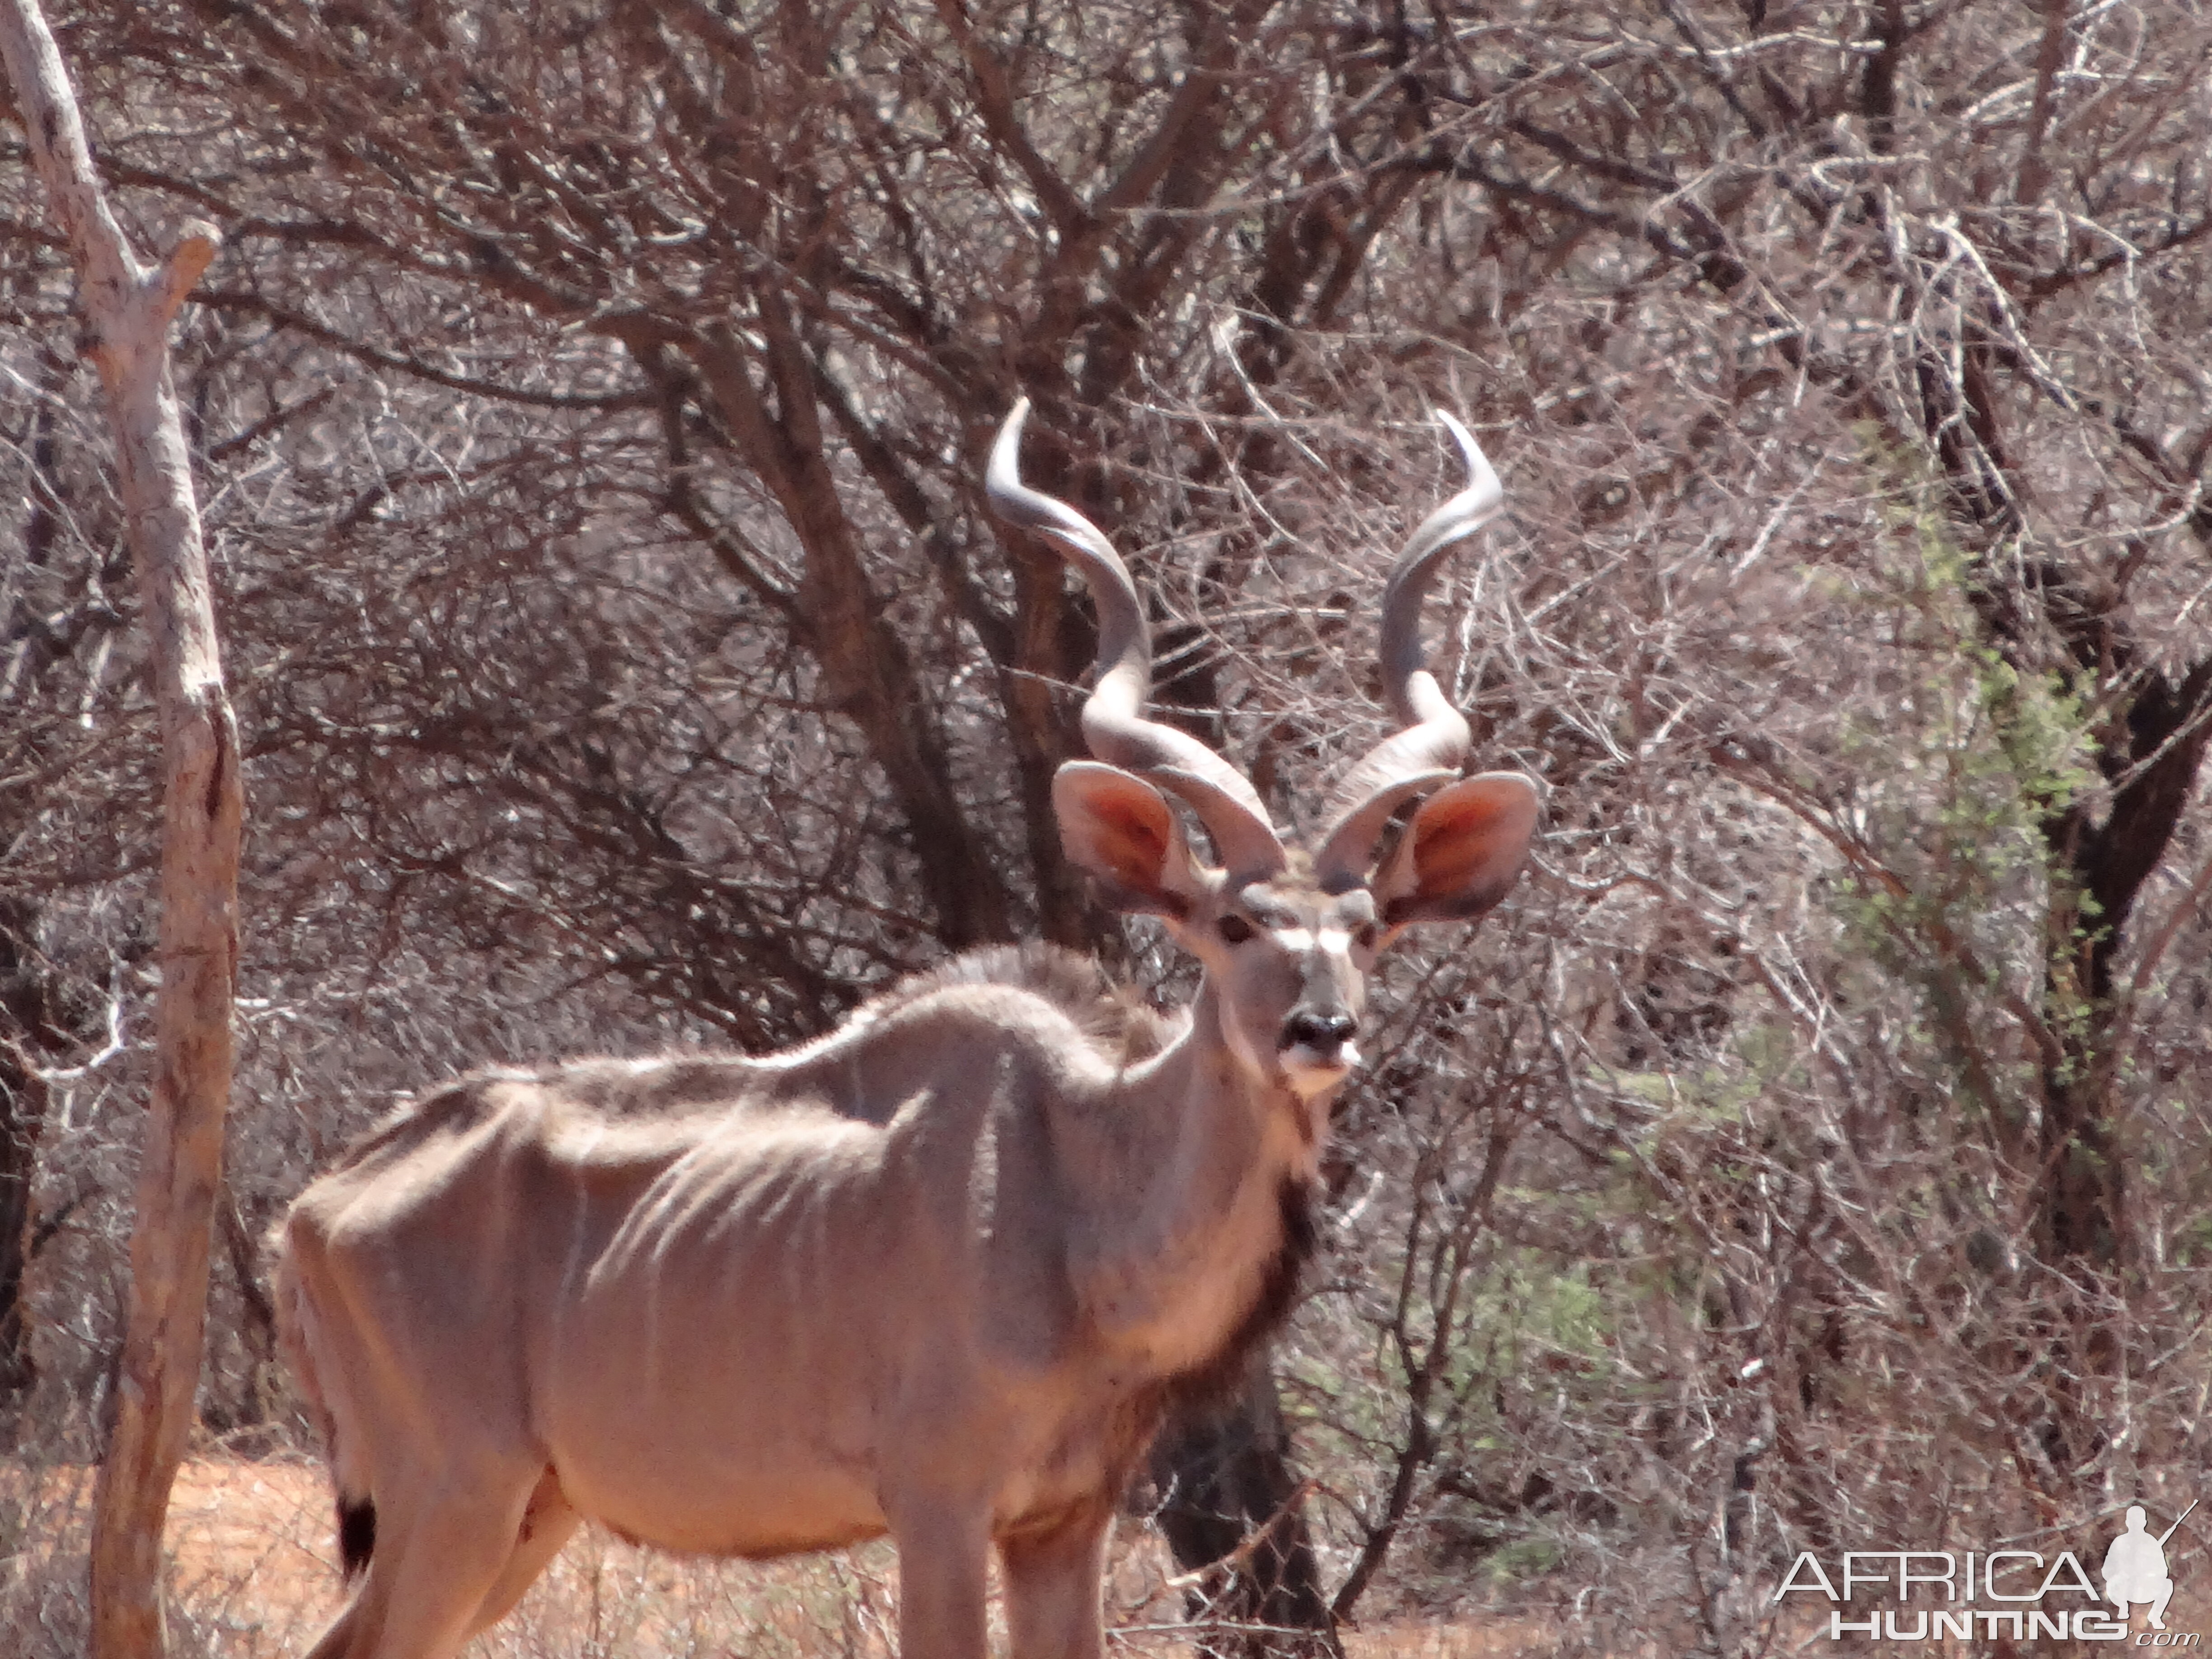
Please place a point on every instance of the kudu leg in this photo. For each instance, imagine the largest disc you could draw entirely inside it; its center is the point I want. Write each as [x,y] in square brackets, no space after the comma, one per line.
[1053,1588]
[336,1640]
[437,1562]
[944,1554]
[549,1521]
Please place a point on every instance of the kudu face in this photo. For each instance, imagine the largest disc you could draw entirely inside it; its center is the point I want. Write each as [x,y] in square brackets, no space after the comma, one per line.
[1287,941]
[1291,964]
[1288,966]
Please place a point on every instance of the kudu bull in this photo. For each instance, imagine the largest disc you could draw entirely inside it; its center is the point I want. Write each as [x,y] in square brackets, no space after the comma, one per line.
[938,1274]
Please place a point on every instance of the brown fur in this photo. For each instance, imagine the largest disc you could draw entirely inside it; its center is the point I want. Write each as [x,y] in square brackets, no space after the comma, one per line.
[1017,1076]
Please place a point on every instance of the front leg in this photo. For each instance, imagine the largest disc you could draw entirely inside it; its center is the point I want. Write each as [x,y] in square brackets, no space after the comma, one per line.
[1053,1583]
[943,1548]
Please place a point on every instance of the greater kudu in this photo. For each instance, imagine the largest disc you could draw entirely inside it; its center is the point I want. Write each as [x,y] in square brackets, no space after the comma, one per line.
[937,1274]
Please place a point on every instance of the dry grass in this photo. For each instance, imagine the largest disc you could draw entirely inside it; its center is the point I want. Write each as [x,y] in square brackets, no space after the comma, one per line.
[254,1575]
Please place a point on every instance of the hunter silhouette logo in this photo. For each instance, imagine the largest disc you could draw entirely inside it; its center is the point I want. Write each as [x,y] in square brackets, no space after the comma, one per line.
[2134,1566]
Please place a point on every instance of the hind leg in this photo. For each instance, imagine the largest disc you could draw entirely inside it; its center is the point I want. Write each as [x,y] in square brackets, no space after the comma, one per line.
[548,1521]
[442,1551]
[336,1640]
[356,1520]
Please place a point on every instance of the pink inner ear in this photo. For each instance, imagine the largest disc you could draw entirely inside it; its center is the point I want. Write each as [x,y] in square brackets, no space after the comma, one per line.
[1135,841]
[1457,842]
[1462,851]
[1123,831]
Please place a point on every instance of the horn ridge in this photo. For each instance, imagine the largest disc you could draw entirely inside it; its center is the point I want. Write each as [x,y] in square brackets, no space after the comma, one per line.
[1435,741]
[1115,727]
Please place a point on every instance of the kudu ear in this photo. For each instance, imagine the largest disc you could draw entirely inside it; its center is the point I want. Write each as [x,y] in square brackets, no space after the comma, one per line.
[1460,854]
[1123,832]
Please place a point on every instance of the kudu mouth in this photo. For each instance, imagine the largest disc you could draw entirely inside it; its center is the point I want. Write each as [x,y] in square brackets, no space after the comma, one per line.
[1316,1049]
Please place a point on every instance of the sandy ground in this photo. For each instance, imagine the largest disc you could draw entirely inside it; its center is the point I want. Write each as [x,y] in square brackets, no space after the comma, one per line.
[256,1576]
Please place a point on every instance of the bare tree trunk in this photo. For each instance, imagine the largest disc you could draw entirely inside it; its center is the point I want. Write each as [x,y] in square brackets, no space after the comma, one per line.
[1232,1512]
[22,1117]
[128,307]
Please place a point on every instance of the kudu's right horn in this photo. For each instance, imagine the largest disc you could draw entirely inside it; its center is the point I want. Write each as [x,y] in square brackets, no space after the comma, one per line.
[1114,723]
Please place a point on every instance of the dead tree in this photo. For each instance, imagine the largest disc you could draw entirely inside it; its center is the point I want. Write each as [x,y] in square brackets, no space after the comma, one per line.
[127,307]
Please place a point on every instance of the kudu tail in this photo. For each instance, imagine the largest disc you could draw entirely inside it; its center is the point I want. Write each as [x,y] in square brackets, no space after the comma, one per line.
[356,1535]
[299,1339]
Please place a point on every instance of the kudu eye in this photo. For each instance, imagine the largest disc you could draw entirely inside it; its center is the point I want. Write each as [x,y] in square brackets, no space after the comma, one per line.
[1235,930]
[1365,934]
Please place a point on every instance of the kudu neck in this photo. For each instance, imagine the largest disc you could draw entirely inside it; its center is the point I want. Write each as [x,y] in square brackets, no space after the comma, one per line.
[1186,1218]
[1203,1127]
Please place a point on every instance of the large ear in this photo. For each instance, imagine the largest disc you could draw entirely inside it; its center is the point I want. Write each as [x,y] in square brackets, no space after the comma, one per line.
[1123,831]
[1461,853]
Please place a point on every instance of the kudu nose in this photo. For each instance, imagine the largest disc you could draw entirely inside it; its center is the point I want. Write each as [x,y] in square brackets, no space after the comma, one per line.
[1324,1034]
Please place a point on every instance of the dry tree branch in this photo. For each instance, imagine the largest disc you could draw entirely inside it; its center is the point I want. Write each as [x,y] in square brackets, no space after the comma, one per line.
[128,307]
